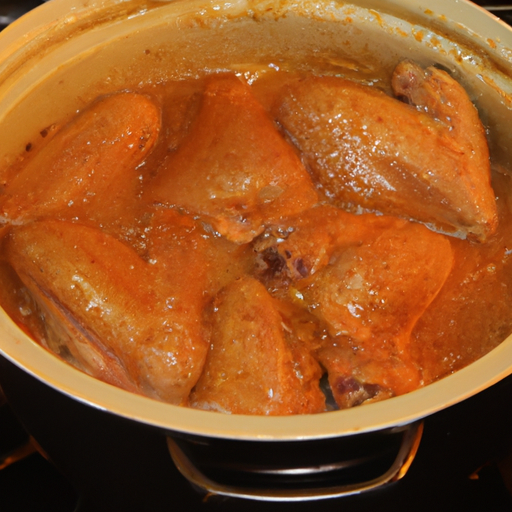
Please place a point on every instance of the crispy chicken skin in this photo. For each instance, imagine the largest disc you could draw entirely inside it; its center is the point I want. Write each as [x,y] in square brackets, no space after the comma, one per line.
[255,366]
[89,164]
[234,167]
[126,325]
[369,150]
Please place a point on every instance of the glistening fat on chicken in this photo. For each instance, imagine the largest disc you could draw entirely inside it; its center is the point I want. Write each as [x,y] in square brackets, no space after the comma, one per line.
[127,326]
[427,161]
[88,165]
[234,167]
[255,365]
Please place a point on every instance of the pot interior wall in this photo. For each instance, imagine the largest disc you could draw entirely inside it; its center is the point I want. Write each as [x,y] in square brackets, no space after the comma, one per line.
[174,40]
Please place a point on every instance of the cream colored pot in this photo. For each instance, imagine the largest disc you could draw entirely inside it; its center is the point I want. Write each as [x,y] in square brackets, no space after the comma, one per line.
[68,51]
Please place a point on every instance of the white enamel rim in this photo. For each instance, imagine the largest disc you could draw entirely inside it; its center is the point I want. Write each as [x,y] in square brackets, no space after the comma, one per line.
[28,355]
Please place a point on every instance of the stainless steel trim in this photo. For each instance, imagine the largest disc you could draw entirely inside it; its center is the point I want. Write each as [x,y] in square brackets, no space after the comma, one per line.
[410,442]
[495,8]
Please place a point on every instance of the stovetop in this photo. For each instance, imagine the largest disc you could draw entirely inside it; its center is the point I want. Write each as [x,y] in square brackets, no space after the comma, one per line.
[464,461]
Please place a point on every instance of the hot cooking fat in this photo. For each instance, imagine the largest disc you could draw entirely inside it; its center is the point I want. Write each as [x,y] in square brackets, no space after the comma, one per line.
[223,260]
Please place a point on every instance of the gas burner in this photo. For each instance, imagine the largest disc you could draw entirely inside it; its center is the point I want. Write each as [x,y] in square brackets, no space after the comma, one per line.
[28,482]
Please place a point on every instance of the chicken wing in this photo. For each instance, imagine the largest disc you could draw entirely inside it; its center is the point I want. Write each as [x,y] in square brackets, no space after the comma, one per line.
[91,161]
[370,297]
[234,167]
[368,150]
[120,319]
[255,366]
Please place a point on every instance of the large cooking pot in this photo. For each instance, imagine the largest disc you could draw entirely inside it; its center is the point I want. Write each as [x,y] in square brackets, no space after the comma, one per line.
[61,55]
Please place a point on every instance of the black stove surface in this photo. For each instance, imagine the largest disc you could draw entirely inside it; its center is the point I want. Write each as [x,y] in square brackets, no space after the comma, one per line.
[464,461]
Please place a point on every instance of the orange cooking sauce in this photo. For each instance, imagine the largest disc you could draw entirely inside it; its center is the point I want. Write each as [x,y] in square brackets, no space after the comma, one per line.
[230,263]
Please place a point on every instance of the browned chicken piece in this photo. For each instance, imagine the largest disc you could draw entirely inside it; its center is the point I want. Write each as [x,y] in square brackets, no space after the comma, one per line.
[234,167]
[435,92]
[368,279]
[255,366]
[370,297]
[356,379]
[370,151]
[123,323]
[76,171]
[382,286]
[305,243]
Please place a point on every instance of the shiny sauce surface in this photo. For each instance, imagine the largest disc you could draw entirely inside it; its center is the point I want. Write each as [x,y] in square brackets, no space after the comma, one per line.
[214,254]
